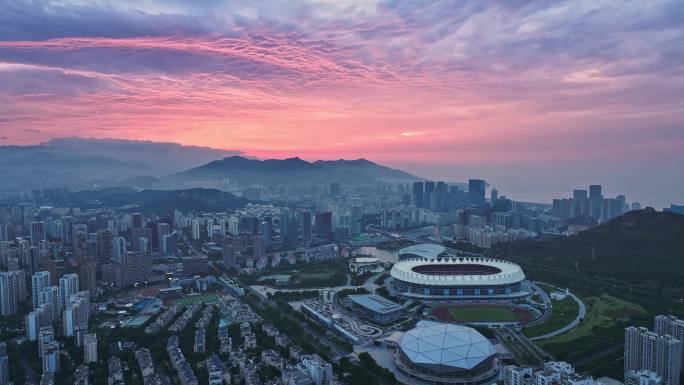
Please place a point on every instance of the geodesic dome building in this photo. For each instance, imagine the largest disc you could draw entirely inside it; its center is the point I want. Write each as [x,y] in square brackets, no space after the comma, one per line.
[436,352]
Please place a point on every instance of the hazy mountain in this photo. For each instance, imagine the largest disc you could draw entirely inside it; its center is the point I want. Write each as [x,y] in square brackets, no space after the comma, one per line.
[162,202]
[245,172]
[80,162]
[643,248]
[369,169]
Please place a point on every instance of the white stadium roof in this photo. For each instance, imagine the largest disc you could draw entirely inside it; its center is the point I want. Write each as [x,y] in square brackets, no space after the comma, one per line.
[509,272]
[423,250]
[445,347]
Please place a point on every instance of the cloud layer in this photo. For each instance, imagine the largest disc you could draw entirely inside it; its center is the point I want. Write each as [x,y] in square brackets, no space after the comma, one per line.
[479,85]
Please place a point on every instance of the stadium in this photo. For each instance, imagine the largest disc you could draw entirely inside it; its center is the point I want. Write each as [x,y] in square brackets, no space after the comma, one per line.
[458,278]
[440,353]
[423,250]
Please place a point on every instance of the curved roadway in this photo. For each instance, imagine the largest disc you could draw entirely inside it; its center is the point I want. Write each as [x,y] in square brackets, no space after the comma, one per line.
[580,316]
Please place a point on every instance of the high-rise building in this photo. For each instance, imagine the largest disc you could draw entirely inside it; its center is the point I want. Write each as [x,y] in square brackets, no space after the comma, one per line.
[670,325]
[259,246]
[37,232]
[595,201]
[9,292]
[50,357]
[90,348]
[306,224]
[87,271]
[76,313]
[494,195]
[356,216]
[228,254]
[68,285]
[265,231]
[595,191]
[46,334]
[163,229]
[646,350]
[418,194]
[35,321]
[118,249]
[49,297]
[104,245]
[476,191]
[324,225]
[39,281]
[169,244]
[136,221]
[135,268]
[427,193]
[4,364]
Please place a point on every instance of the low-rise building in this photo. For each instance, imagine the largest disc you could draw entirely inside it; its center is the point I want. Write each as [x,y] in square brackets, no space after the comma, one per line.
[216,371]
[270,357]
[145,362]
[81,375]
[377,308]
[200,345]
[318,369]
[115,370]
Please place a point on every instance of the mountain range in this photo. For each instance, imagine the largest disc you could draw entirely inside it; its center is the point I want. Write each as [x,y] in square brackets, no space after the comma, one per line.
[82,163]
[87,163]
[162,202]
[244,172]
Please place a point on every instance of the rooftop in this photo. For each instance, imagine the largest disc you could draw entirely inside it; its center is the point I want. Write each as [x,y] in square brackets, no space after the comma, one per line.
[445,347]
[375,303]
[423,250]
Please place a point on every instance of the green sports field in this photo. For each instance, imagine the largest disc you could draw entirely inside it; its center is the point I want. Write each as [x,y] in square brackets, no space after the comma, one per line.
[466,313]
[202,298]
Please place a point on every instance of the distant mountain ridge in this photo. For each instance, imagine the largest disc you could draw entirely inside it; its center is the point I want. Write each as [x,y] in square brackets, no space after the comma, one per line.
[82,163]
[162,202]
[87,163]
[244,172]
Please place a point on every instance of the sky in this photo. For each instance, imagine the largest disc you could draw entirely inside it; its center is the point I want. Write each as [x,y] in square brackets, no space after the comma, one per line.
[538,97]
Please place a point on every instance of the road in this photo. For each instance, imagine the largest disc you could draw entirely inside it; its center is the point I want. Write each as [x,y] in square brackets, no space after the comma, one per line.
[518,343]
[580,316]
[336,351]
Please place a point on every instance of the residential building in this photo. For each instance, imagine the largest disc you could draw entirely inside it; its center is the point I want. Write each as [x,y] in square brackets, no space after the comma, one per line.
[318,369]
[90,348]
[642,377]
[646,350]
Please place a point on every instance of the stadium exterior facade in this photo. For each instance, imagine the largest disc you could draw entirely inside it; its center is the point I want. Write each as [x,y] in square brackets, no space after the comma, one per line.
[441,353]
[422,250]
[458,278]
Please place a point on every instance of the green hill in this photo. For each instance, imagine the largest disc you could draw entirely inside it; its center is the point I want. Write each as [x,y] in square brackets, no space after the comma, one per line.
[642,250]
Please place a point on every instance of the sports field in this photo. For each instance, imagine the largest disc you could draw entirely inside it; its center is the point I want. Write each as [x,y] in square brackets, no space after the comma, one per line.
[202,298]
[481,313]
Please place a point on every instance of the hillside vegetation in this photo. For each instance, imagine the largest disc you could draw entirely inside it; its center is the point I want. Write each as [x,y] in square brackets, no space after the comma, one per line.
[642,250]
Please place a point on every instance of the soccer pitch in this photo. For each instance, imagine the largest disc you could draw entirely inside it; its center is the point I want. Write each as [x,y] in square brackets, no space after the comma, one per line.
[479,314]
[202,298]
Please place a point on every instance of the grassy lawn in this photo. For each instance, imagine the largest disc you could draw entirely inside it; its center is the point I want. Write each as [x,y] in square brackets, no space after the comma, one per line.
[202,298]
[563,313]
[602,312]
[483,313]
[479,314]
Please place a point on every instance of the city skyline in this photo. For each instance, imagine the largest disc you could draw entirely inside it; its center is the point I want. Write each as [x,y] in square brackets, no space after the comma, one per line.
[444,90]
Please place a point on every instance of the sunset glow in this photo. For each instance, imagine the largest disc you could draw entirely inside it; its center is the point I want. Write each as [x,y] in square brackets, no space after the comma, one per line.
[472,84]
